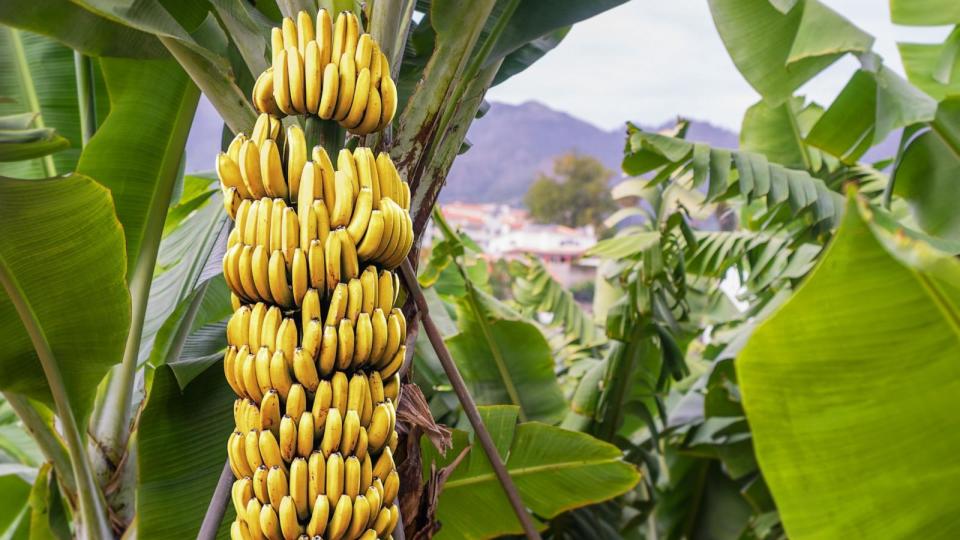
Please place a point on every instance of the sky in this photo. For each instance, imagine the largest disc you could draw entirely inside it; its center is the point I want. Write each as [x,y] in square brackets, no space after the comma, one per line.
[650,60]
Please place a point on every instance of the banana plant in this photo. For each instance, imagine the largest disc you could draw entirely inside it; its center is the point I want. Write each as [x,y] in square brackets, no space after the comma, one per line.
[111,391]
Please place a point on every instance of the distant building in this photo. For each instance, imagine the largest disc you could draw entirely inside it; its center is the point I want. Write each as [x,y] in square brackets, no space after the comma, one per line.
[508,233]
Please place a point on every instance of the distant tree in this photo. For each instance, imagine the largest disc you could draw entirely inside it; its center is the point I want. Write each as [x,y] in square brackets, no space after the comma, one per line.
[575,195]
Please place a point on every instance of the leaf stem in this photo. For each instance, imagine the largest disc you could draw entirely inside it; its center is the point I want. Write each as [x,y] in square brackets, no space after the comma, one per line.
[86,95]
[30,93]
[92,509]
[43,433]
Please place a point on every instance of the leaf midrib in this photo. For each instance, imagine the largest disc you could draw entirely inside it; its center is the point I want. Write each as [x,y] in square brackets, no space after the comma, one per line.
[527,471]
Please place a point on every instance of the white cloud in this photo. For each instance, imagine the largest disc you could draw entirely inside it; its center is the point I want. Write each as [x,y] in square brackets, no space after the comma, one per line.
[649,61]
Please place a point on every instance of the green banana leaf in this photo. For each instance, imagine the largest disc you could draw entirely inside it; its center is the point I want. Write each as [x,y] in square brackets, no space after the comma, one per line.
[182,450]
[61,252]
[778,133]
[555,470]
[851,389]
[40,72]
[777,52]
[80,29]
[137,151]
[924,12]
[926,175]
[921,61]
[15,487]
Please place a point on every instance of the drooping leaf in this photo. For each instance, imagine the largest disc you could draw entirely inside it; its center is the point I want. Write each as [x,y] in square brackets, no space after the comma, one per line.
[926,175]
[554,470]
[777,52]
[62,252]
[80,29]
[875,319]
[921,61]
[181,453]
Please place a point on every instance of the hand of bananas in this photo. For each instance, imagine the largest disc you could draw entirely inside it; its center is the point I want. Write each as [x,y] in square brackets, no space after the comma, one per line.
[315,343]
[328,70]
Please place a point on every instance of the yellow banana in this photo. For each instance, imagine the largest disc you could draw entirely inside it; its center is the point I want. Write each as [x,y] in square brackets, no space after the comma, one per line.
[373,497]
[305,435]
[229,174]
[289,525]
[318,519]
[263,98]
[341,391]
[290,232]
[295,76]
[260,484]
[347,164]
[328,350]
[337,46]
[305,370]
[338,304]
[264,222]
[382,523]
[340,521]
[343,204]
[229,368]
[311,340]
[361,514]
[238,366]
[351,477]
[289,30]
[280,374]
[364,340]
[358,106]
[332,432]
[249,370]
[298,484]
[379,431]
[310,309]
[277,485]
[269,417]
[296,401]
[321,406]
[260,266]
[348,81]
[354,299]
[394,518]
[345,344]
[250,171]
[281,83]
[366,472]
[332,260]
[376,67]
[252,519]
[271,170]
[279,286]
[317,480]
[395,363]
[296,145]
[388,100]
[364,52]
[380,333]
[385,291]
[287,339]
[257,314]
[270,450]
[248,232]
[363,448]
[305,32]
[391,389]
[300,279]
[240,493]
[369,283]
[246,272]
[324,36]
[371,116]
[335,476]
[349,260]
[327,174]
[384,465]
[288,438]
[270,327]
[387,173]
[361,216]
[391,486]
[352,35]
[394,336]
[317,266]
[391,234]
[240,223]
[278,208]
[270,522]
[356,392]
[351,431]
[377,395]
[329,92]
[306,193]
[373,236]
[233,150]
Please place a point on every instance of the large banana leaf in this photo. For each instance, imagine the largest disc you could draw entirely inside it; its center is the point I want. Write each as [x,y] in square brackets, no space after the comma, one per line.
[777,52]
[61,255]
[182,449]
[778,132]
[554,470]
[80,29]
[924,12]
[137,151]
[926,175]
[15,508]
[923,61]
[851,389]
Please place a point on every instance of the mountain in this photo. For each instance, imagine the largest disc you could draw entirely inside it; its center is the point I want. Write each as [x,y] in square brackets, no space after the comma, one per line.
[513,143]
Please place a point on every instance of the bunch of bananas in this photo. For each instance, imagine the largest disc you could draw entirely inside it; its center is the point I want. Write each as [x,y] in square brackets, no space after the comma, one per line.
[315,343]
[328,70]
